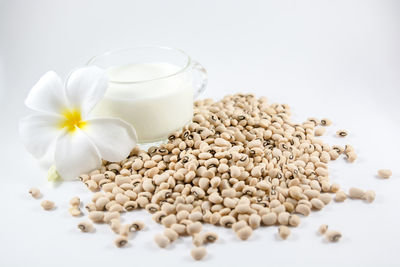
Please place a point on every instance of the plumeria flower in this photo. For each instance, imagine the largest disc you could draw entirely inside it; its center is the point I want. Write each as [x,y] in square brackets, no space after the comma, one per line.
[64,128]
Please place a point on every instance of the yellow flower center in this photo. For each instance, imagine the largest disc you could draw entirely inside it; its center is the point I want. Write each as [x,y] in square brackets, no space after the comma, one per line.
[72,119]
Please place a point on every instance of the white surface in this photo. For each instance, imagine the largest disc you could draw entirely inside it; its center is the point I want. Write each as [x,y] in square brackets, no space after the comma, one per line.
[338,59]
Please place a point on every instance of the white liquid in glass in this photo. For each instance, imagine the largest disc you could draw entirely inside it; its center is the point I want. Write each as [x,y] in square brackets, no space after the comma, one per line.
[154,106]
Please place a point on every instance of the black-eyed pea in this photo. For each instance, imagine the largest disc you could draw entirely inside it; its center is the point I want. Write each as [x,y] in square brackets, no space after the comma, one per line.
[198,192]
[169,220]
[125,230]
[161,240]
[108,216]
[121,241]
[317,203]
[47,205]
[142,201]
[158,216]
[171,234]
[194,228]
[279,209]
[294,220]
[90,207]
[215,198]
[96,216]
[351,156]
[195,216]
[35,192]
[319,131]
[152,208]
[101,203]
[179,228]
[333,236]
[136,226]
[130,205]
[254,221]
[321,171]
[322,229]
[210,237]
[326,122]
[85,226]
[384,173]
[108,187]
[244,233]
[356,193]
[74,211]
[239,225]
[198,240]
[182,214]
[75,202]
[115,225]
[198,253]
[122,179]
[341,133]
[121,198]
[215,218]
[335,187]
[269,218]
[325,197]
[303,209]
[227,221]
[243,208]
[92,185]
[305,202]
[289,207]
[333,154]
[215,182]
[116,207]
[295,192]
[369,196]
[283,218]
[283,231]
[340,196]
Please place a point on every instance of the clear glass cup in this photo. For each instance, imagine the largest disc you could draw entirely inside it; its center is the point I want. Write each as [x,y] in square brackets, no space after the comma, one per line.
[152,88]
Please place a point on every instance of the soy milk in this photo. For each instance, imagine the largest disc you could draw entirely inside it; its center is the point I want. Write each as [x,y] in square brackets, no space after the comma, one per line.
[156,98]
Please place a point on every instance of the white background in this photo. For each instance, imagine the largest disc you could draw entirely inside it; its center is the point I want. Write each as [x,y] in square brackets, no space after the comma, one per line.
[335,59]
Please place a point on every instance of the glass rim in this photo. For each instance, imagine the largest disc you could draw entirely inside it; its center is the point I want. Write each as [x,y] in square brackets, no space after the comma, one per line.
[110,52]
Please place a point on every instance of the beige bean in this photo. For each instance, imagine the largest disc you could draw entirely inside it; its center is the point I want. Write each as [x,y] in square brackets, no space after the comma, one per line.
[194,228]
[96,216]
[85,226]
[356,193]
[333,236]
[47,205]
[269,218]
[244,233]
[35,192]
[198,253]
[317,203]
[171,234]
[121,241]
[384,173]
[369,196]
[322,229]
[161,240]
[74,211]
[340,196]
[283,231]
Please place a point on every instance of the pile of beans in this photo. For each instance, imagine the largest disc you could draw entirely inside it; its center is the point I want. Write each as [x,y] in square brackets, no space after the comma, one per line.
[241,164]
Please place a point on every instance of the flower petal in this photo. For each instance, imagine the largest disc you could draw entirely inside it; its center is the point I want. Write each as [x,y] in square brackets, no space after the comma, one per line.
[38,132]
[47,95]
[75,154]
[85,87]
[114,138]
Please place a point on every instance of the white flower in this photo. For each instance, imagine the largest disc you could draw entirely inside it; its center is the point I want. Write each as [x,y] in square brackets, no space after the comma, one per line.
[64,128]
